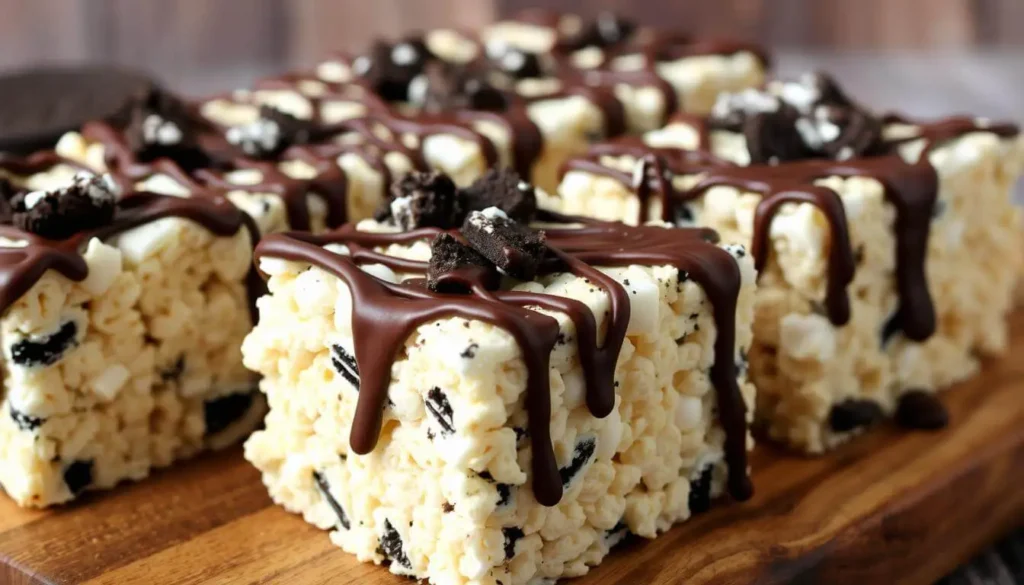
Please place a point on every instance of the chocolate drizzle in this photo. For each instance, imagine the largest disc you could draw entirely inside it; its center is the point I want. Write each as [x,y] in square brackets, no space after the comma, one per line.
[912,188]
[22,266]
[388,313]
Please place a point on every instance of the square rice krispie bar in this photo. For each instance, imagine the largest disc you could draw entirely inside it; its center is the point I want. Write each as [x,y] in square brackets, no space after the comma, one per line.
[284,171]
[122,313]
[888,249]
[541,97]
[471,400]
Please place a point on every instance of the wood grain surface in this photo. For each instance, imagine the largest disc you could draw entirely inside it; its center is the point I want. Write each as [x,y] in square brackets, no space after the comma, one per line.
[892,507]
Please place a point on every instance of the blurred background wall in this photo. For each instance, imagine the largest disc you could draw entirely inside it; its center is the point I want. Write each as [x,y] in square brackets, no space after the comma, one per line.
[228,32]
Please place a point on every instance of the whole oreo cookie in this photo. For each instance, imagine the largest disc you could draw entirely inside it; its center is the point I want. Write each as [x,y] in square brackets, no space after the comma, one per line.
[40,105]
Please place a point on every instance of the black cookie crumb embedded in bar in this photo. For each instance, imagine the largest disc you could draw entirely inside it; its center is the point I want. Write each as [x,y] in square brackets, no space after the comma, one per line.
[455,267]
[854,414]
[505,190]
[422,199]
[514,248]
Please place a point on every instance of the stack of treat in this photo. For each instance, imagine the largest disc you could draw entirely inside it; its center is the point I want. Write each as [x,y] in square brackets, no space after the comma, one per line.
[469,378]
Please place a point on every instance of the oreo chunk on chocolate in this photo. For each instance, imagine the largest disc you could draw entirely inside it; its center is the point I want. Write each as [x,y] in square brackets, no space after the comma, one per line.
[87,203]
[514,248]
[445,87]
[390,68]
[159,125]
[513,62]
[774,137]
[732,110]
[505,190]
[455,267]
[422,199]
[271,134]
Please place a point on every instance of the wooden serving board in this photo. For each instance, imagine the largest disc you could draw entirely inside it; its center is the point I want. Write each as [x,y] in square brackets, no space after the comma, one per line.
[891,508]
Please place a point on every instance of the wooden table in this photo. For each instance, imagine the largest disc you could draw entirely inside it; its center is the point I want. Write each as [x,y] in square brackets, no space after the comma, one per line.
[893,507]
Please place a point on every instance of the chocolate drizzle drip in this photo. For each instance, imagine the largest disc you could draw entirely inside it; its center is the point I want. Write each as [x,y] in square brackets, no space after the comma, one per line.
[388,313]
[912,188]
[21,267]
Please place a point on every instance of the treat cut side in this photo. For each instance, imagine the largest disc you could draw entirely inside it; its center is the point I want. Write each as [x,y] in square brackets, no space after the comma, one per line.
[122,317]
[443,414]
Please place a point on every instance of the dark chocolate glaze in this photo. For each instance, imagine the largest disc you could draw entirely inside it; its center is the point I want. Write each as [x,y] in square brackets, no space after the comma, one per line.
[386,315]
[21,267]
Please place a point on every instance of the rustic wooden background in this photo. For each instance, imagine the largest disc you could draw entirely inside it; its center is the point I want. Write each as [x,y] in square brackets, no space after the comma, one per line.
[179,35]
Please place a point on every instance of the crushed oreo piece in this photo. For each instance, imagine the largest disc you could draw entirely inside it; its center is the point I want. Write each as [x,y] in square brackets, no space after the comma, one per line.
[325,491]
[512,535]
[219,413]
[25,422]
[774,138]
[422,199]
[617,535]
[87,203]
[454,267]
[854,414]
[345,364]
[514,61]
[48,351]
[159,125]
[78,476]
[581,456]
[437,405]
[390,68]
[732,110]
[505,190]
[919,409]
[445,87]
[514,248]
[271,134]
[700,492]
[390,546]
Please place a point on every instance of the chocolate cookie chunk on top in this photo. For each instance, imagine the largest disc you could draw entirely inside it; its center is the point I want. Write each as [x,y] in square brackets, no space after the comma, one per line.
[455,267]
[159,125]
[514,248]
[85,204]
[505,190]
[422,199]
[271,134]
[444,87]
[389,68]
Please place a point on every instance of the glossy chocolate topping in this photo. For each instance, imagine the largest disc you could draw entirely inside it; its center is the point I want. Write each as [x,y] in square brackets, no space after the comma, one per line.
[386,314]
[912,188]
[22,266]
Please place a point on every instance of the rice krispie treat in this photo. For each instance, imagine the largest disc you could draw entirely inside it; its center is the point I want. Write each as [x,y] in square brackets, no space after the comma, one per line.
[888,249]
[122,313]
[471,400]
[541,99]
